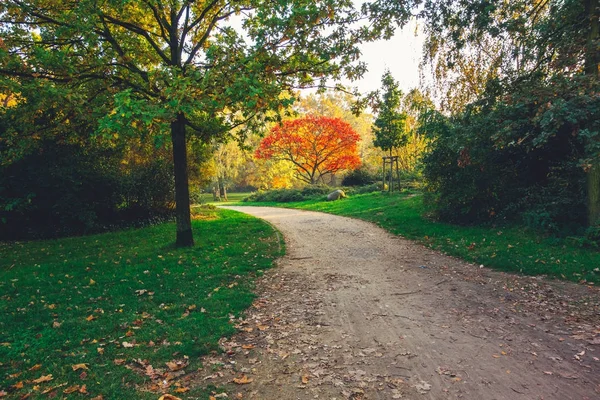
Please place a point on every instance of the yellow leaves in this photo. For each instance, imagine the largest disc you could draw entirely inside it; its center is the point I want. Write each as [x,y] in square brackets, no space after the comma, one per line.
[92,282]
[100,350]
[177,365]
[168,397]
[43,378]
[51,306]
[243,380]
[76,388]
[79,366]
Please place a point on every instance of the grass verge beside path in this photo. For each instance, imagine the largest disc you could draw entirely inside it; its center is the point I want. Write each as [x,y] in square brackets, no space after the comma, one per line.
[90,314]
[513,249]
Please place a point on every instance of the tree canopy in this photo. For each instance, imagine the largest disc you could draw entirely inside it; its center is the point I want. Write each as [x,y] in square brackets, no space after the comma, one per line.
[317,146]
[390,125]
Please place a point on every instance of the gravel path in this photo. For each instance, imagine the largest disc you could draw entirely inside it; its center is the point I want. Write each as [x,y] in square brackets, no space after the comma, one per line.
[354,312]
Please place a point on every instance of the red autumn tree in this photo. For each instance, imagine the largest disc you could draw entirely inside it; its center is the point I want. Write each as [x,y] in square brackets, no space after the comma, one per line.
[317,146]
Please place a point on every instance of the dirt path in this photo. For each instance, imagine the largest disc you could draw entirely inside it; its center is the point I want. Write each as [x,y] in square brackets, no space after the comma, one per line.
[354,312]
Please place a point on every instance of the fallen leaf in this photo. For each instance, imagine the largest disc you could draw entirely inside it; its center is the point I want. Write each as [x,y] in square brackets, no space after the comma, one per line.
[35,367]
[99,397]
[83,389]
[262,327]
[18,385]
[56,324]
[71,389]
[3,393]
[304,379]
[548,372]
[100,350]
[247,346]
[92,282]
[43,378]
[79,366]
[119,361]
[243,380]
[182,390]
[83,375]
[176,365]
[127,344]
[90,318]
[168,397]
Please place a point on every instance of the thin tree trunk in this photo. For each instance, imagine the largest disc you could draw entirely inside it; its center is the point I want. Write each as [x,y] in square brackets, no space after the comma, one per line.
[592,70]
[182,191]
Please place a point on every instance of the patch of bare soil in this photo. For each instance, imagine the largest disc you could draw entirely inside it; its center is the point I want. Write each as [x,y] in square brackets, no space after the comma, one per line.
[353,312]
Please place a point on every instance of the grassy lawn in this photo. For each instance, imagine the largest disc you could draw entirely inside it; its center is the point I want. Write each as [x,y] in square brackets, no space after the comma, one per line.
[207,198]
[508,248]
[98,310]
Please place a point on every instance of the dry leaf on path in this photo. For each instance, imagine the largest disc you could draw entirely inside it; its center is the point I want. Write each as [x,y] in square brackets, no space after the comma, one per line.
[305,379]
[168,397]
[243,380]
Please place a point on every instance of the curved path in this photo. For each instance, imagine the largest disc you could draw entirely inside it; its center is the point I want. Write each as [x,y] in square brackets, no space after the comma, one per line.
[354,312]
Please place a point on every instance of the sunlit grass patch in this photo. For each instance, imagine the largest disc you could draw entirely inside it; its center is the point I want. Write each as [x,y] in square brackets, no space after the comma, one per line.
[92,312]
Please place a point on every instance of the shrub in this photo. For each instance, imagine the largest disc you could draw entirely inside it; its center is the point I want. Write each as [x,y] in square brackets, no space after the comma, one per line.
[290,195]
[360,177]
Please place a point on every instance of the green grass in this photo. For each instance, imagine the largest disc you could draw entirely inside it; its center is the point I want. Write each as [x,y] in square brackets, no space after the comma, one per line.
[78,300]
[513,248]
[207,198]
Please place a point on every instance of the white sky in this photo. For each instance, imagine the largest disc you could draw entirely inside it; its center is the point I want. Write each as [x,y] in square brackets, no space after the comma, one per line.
[401,55]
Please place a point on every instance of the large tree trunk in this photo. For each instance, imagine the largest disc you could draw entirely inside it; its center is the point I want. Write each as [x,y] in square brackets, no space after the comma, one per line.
[592,70]
[182,191]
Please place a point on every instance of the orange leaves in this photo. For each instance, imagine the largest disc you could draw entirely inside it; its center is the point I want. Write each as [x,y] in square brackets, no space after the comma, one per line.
[243,380]
[317,146]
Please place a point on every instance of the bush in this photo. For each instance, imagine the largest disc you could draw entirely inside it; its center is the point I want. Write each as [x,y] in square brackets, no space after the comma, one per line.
[500,162]
[67,189]
[290,195]
[360,177]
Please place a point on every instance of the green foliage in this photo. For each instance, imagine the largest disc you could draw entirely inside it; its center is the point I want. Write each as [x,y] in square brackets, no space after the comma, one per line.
[359,177]
[290,195]
[68,189]
[390,125]
[78,300]
[517,157]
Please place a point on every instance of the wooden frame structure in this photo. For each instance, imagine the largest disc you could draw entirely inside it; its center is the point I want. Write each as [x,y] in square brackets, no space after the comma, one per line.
[391,161]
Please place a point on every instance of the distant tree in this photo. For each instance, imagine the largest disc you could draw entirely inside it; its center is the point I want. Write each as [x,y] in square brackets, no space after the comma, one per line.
[317,146]
[390,125]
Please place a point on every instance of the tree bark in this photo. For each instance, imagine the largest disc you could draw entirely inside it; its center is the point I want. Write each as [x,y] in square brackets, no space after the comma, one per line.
[182,191]
[592,70]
